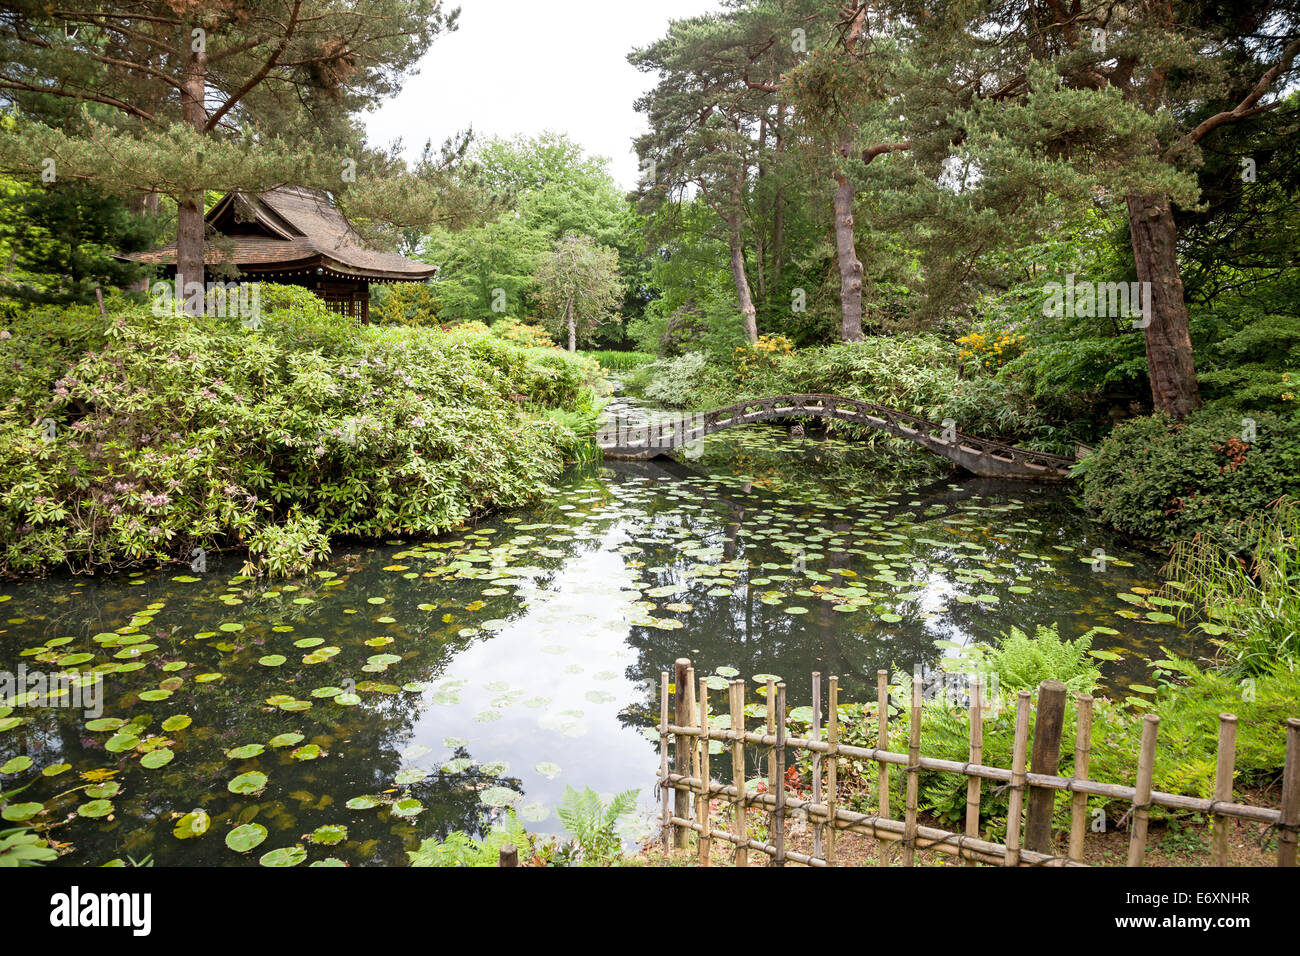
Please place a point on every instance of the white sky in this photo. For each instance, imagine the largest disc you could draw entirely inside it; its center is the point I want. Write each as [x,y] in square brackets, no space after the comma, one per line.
[524,66]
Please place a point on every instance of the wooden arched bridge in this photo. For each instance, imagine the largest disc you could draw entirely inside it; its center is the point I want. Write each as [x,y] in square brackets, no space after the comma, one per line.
[620,438]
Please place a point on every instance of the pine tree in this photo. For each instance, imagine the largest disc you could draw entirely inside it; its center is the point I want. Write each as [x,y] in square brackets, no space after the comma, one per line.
[177,84]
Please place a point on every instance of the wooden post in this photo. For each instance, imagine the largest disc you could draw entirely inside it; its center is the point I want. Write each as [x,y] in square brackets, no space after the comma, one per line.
[1223,772]
[703,801]
[692,711]
[1049,721]
[1137,844]
[832,770]
[664,818]
[1015,802]
[976,755]
[1286,838]
[1082,756]
[771,758]
[913,776]
[737,689]
[817,758]
[509,855]
[682,756]
[778,814]
[882,743]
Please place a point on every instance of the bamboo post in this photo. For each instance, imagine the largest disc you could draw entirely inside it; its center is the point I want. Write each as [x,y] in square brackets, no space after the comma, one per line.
[692,711]
[737,690]
[832,754]
[1049,721]
[1286,838]
[1223,772]
[1016,800]
[1082,756]
[817,758]
[509,855]
[778,814]
[976,755]
[703,800]
[1137,844]
[681,717]
[882,743]
[663,757]
[913,776]
[770,727]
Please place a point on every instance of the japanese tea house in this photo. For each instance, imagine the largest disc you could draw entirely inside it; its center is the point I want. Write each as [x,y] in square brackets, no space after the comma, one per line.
[296,236]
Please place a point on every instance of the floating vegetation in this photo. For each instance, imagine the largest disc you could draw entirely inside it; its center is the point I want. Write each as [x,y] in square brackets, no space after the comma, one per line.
[413,688]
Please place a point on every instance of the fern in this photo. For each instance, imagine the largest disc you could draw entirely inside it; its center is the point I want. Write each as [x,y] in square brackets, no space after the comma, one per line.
[592,823]
[1022,662]
[460,849]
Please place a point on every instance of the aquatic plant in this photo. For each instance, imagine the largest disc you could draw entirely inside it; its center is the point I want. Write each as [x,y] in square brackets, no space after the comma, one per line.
[592,823]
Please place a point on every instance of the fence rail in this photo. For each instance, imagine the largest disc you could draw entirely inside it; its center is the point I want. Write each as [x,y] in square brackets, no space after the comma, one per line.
[1032,780]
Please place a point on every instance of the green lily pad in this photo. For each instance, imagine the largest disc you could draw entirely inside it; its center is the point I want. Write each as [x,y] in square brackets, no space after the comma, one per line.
[193,824]
[246,837]
[247,783]
[285,856]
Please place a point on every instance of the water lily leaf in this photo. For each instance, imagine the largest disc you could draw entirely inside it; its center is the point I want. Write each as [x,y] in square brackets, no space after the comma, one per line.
[363,803]
[246,837]
[16,765]
[120,743]
[193,824]
[177,722]
[407,808]
[245,752]
[95,809]
[286,740]
[284,856]
[498,797]
[21,812]
[247,783]
[104,723]
[329,834]
[157,758]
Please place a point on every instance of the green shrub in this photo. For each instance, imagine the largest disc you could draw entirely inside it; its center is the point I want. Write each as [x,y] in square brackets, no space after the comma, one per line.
[175,434]
[1250,592]
[1162,480]
[460,849]
[1023,662]
[919,374]
[621,361]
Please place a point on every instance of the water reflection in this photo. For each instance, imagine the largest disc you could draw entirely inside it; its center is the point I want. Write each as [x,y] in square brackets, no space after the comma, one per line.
[443,682]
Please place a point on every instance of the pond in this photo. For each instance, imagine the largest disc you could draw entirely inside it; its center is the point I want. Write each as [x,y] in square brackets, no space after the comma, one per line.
[404,690]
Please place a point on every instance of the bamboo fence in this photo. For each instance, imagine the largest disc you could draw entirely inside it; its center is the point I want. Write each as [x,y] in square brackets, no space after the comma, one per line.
[1034,783]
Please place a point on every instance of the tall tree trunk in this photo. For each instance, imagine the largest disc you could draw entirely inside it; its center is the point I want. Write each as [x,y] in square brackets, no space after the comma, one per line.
[760,239]
[743,297]
[846,251]
[573,330]
[1168,341]
[189,207]
[778,202]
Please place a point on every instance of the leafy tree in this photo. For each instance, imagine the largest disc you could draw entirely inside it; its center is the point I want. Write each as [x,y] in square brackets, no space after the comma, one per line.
[191,96]
[58,241]
[578,285]
[1095,98]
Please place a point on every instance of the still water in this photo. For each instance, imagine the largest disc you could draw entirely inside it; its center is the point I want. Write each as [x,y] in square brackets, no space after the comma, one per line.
[408,689]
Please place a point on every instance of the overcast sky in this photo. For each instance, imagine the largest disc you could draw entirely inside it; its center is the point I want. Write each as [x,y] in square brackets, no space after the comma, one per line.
[524,66]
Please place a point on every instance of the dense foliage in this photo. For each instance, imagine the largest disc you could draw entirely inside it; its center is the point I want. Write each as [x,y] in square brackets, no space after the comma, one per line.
[159,435]
[1159,479]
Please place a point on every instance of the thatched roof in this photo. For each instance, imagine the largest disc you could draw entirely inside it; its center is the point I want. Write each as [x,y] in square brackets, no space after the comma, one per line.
[292,229]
